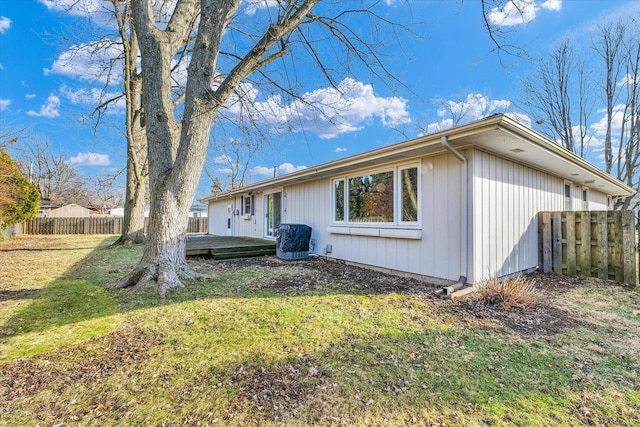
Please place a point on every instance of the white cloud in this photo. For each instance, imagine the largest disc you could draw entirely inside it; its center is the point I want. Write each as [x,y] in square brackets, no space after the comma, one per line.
[520,12]
[255,5]
[600,128]
[4,104]
[340,150]
[222,159]
[30,96]
[98,61]
[474,107]
[94,97]
[49,110]
[98,11]
[89,159]
[327,112]
[5,24]
[283,169]
[554,5]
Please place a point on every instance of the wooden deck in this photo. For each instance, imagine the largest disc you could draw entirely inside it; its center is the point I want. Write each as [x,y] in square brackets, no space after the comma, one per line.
[225,247]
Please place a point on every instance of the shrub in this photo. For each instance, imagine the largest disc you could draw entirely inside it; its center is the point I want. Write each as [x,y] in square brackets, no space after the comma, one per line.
[19,199]
[518,291]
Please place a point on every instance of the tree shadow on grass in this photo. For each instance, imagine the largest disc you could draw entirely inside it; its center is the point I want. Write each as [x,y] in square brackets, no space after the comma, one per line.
[74,297]
[362,356]
[81,293]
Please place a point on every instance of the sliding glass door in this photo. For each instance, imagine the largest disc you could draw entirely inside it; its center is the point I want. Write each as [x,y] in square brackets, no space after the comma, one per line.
[273,215]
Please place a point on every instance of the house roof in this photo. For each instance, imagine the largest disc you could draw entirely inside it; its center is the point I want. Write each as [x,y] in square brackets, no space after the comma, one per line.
[498,134]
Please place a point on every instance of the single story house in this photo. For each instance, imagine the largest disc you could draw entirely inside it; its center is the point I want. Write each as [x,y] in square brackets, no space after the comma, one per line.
[458,203]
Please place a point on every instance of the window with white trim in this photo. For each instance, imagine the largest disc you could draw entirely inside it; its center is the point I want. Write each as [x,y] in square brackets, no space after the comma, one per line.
[387,196]
[585,199]
[247,205]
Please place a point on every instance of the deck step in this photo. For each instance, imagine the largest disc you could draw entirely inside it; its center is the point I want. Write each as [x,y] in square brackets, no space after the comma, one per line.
[242,254]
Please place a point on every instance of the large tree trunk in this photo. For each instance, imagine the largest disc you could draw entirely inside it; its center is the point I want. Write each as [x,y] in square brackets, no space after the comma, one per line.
[137,176]
[176,151]
[172,185]
[134,206]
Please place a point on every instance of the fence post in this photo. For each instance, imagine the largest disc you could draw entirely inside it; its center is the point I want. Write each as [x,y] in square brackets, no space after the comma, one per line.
[629,248]
[545,234]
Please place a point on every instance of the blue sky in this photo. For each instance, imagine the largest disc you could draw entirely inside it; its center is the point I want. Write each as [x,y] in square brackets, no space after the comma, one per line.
[451,59]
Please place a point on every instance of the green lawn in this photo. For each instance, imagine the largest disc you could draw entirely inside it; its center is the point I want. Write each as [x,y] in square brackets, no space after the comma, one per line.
[277,343]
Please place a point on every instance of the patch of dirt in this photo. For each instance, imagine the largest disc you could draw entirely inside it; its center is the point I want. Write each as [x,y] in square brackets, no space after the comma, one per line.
[28,377]
[322,272]
[546,318]
[278,390]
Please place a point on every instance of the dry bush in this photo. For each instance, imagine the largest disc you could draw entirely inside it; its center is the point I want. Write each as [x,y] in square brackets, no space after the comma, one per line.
[518,291]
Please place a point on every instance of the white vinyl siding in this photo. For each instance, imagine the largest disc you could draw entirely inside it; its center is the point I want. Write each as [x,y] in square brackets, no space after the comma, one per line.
[507,197]
[435,254]
[504,200]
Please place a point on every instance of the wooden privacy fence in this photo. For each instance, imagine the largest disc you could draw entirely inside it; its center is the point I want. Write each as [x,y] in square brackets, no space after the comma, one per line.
[93,225]
[589,243]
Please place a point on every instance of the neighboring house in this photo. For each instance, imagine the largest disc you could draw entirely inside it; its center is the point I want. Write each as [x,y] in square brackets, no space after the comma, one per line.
[69,211]
[45,208]
[198,211]
[116,212]
[461,202]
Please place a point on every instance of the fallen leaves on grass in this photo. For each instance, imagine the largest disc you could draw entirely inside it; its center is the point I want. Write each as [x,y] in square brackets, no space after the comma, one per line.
[272,390]
[28,377]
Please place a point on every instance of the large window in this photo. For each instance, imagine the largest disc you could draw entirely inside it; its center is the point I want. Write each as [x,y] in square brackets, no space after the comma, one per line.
[387,197]
[371,198]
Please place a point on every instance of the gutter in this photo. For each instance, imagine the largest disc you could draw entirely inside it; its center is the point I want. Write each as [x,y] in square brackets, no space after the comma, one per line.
[464,235]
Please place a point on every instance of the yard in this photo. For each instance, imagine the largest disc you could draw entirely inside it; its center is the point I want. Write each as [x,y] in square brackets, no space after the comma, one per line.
[267,342]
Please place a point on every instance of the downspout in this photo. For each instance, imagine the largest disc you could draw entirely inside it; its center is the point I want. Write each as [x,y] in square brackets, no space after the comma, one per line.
[464,235]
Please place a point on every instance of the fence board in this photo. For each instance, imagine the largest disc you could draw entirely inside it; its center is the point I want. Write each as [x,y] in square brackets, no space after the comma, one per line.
[617,262]
[587,243]
[585,240]
[570,238]
[629,247]
[556,218]
[547,263]
[93,225]
[602,244]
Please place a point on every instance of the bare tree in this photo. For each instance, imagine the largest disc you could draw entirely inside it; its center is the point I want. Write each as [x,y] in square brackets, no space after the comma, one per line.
[11,134]
[233,161]
[105,191]
[558,98]
[628,146]
[177,146]
[608,44]
[51,172]
[562,97]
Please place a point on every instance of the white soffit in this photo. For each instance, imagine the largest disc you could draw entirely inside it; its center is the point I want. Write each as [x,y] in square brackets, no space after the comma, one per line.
[511,146]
